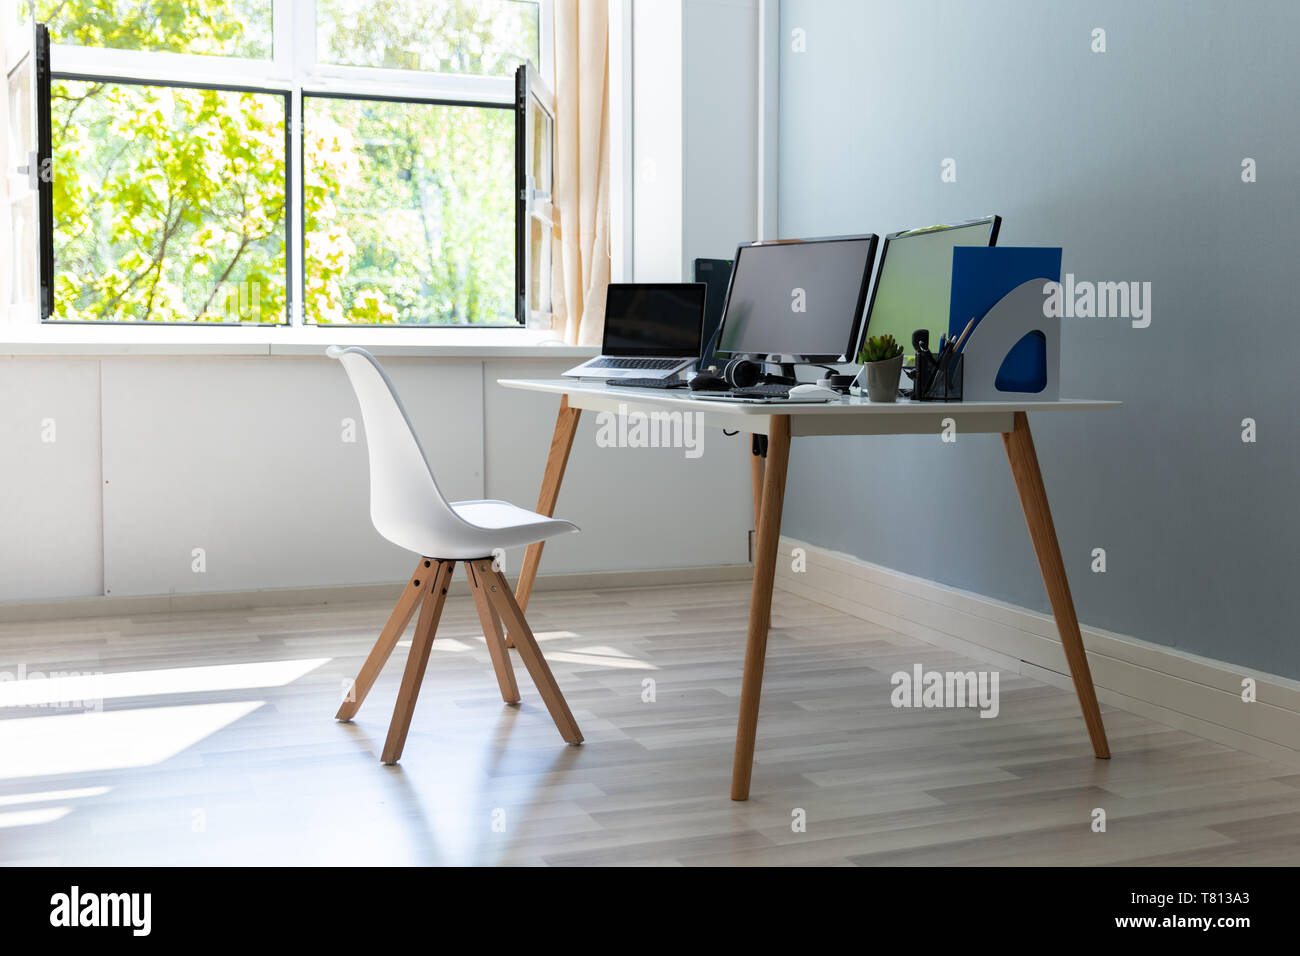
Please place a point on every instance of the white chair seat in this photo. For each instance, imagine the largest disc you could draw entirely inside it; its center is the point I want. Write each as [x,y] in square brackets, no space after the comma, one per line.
[506,525]
[405,504]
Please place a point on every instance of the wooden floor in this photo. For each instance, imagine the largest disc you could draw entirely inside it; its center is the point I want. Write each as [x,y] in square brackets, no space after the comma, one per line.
[216,745]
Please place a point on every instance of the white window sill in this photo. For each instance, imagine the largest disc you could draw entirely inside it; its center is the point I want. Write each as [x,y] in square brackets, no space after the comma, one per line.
[90,340]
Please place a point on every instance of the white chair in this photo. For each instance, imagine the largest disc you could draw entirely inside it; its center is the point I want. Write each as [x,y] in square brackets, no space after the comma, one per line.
[408,509]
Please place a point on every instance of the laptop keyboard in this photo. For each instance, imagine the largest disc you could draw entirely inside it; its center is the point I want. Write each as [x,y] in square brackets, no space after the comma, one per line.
[646,363]
[647,382]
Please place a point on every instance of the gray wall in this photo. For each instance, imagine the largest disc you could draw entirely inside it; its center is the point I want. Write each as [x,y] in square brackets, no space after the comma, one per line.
[1130,160]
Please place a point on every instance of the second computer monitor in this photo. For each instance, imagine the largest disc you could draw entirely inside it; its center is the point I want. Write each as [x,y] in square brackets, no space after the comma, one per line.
[914,282]
[797,300]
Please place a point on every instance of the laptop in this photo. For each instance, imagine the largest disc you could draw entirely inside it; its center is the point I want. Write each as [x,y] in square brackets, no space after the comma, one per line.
[652,330]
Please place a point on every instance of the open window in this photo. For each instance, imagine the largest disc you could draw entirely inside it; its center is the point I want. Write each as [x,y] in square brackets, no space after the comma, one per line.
[221,174]
[534,180]
[31,207]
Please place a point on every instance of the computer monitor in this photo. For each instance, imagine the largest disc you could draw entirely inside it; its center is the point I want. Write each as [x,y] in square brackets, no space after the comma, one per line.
[716,275]
[653,319]
[914,281]
[797,300]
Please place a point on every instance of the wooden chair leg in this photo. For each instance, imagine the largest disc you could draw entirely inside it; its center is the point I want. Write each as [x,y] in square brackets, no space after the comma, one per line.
[388,639]
[496,641]
[435,595]
[500,597]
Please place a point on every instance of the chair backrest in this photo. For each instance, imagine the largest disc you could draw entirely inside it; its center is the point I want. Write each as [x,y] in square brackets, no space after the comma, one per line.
[405,503]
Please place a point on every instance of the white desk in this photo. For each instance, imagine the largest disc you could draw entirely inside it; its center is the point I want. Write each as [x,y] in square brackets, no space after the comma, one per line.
[851,416]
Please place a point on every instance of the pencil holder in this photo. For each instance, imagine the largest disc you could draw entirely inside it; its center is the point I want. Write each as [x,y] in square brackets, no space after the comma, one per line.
[938,381]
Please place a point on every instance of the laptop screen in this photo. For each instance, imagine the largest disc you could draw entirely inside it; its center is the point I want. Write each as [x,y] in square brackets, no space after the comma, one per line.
[654,319]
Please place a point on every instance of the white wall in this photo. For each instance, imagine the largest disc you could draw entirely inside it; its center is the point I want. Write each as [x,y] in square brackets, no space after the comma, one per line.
[695,132]
[720,127]
[51,512]
[657,140]
[243,456]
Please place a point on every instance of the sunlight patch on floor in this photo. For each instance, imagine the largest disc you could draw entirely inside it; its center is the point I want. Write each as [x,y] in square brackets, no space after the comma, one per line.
[49,796]
[27,818]
[110,740]
[55,688]
[602,657]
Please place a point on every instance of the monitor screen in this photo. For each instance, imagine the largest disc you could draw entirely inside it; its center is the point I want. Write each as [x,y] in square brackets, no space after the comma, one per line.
[654,319]
[800,298]
[914,282]
[716,276]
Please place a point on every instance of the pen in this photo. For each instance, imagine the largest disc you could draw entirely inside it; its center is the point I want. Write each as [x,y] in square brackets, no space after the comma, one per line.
[965,332]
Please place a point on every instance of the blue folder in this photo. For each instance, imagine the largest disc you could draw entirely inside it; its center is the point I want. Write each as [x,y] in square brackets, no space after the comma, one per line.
[981,276]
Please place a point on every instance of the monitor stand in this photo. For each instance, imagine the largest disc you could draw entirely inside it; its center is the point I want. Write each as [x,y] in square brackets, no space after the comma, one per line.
[778,373]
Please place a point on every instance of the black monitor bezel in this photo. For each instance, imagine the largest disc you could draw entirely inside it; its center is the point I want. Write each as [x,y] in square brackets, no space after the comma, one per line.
[804,358]
[994,220]
[698,287]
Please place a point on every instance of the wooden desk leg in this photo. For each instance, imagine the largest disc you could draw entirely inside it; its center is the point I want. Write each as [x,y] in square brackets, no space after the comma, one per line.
[756,460]
[566,426]
[767,536]
[1019,444]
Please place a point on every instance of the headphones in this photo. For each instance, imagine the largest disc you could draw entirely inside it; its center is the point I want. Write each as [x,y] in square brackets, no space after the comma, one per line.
[742,373]
[736,373]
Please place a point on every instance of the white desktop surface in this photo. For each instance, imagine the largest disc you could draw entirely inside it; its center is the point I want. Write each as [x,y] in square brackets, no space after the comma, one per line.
[851,415]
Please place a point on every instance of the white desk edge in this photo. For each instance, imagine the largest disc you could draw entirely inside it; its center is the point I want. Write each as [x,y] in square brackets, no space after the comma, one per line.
[849,416]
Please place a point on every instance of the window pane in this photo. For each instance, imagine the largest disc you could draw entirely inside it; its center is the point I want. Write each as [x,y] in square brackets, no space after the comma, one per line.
[168,203]
[22,198]
[539,140]
[409,212]
[539,278]
[216,27]
[437,36]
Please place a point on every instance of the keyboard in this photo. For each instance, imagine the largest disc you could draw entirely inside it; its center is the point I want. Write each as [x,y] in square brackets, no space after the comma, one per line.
[647,382]
[763,390]
[606,361]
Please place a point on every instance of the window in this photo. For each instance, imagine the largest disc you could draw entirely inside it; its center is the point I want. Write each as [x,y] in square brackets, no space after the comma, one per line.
[408,212]
[169,203]
[313,162]
[27,68]
[535,146]
[434,37]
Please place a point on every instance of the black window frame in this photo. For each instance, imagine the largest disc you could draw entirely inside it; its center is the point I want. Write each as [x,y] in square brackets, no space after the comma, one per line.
[420,101]
[525,85]
[47,195]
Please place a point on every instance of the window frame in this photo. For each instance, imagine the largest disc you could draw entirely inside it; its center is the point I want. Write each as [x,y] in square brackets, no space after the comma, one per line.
[302,211]
[47,218]
[533,204]
[293,71]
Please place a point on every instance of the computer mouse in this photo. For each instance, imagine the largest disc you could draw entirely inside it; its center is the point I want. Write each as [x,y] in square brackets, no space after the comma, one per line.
[808,392]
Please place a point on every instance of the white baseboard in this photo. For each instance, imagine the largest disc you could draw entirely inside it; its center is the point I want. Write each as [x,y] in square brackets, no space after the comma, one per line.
[1192,693]
[283,597]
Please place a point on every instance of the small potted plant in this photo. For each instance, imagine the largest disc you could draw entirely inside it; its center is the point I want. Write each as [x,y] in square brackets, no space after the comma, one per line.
[882,360]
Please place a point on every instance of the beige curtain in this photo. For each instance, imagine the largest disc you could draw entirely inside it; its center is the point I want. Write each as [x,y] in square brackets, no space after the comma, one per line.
[9,160]
[581,250]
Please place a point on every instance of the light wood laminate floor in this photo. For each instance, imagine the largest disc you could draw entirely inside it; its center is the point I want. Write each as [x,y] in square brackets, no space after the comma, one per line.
[216,745]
